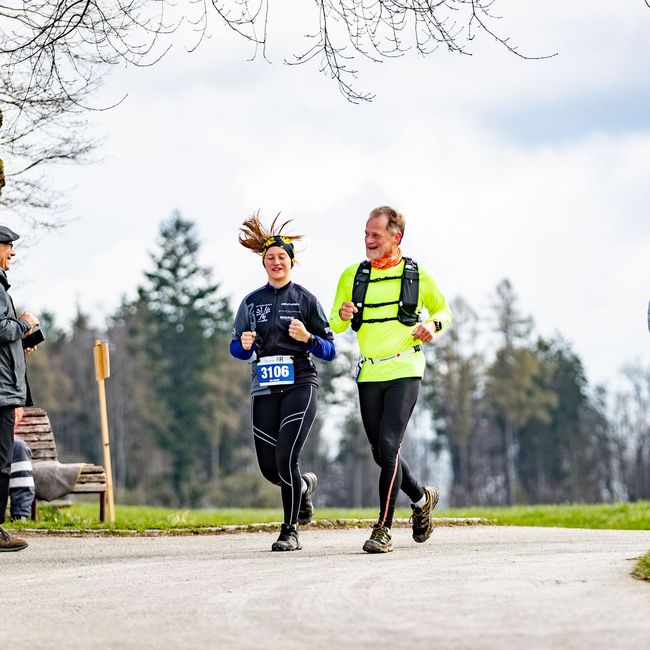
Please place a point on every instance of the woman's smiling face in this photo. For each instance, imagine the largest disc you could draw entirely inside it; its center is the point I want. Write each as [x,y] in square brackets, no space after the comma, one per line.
[278,265]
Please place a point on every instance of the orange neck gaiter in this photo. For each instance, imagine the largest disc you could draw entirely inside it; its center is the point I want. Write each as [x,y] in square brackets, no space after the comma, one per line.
[388,261]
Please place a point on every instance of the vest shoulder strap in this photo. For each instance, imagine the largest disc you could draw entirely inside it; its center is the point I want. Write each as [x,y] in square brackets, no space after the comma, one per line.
[408,296]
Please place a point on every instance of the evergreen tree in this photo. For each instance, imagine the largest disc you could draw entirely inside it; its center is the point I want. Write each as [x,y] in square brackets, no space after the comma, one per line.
[558,459]
[62,377]
[451,390]
[140,466]
[600,455]
[515,397]
[352,478]
[187,319]
[60,384]
[632,430]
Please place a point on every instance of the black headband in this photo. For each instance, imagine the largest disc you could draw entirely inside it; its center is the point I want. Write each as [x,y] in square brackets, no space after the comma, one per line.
[282,242]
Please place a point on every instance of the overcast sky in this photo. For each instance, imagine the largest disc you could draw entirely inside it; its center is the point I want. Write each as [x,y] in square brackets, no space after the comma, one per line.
[538,171]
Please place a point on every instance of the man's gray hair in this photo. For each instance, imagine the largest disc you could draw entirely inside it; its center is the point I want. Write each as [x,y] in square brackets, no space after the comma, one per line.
[396,221]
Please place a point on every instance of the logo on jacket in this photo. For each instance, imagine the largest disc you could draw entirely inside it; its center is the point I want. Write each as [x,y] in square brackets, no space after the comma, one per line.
[262,312]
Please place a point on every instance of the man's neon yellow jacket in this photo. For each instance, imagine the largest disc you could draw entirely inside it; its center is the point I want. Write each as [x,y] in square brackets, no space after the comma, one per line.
[378,340]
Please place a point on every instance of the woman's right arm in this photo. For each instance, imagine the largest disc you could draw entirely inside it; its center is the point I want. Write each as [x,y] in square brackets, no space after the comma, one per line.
[241,344]
[238,351]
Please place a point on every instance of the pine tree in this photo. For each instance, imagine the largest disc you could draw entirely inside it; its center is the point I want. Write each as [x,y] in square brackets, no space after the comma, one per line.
[451,390]
[352,474]
[552,459]
[135,412]
[61,379]
[186,319]
[514,395]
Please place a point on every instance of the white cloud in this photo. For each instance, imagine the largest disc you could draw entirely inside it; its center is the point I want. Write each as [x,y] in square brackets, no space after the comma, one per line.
[217,138]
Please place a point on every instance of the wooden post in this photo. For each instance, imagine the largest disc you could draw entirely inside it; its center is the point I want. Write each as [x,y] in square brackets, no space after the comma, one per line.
[102,372]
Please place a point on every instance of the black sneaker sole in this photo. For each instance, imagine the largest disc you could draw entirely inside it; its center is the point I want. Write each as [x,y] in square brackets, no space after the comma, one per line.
[281,547]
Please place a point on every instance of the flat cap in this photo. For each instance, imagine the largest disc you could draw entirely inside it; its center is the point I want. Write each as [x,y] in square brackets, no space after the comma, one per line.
[7,235]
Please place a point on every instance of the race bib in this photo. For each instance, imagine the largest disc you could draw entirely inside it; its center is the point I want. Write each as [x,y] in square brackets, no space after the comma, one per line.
[275,371]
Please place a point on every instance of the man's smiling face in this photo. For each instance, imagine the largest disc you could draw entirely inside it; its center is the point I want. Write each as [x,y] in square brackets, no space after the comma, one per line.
[380,241]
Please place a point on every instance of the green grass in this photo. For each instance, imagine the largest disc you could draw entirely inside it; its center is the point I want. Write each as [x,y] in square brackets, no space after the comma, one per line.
[622,516]
[642,568]
[84,515]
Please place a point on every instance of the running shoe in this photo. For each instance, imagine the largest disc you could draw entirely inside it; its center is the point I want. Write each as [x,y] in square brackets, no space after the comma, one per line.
[306,511]
[9,543]
[288,540]
[379,541]
[422,518]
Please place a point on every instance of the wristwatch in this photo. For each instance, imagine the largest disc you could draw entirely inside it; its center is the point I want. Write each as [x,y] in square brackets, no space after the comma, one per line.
[312,341]
[437,324]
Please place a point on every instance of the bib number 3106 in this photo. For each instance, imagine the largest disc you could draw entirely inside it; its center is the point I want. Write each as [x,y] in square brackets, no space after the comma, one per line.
[274,371]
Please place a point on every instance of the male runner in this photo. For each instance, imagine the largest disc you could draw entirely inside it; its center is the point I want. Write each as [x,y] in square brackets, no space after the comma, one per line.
[383,298]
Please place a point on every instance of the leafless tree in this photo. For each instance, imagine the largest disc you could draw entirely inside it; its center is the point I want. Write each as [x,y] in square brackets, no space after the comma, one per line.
[39,131]
[344,31]
[63,42]
[632,430]
[53,54]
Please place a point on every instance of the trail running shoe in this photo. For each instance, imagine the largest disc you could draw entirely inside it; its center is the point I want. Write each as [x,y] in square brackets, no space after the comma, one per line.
[379,541]
[422,518]
[288,540]
[9,543]
[306,511]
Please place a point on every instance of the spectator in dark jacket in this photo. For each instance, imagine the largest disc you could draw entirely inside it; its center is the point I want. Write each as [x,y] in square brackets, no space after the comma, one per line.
[13,383]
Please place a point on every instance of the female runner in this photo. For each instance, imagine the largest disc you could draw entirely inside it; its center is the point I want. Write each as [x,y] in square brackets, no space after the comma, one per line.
[282,324]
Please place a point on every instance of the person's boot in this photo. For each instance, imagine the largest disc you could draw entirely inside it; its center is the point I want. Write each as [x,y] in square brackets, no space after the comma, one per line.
[306,511]
[288,539]
[422,518]
[9,543]
[379,541]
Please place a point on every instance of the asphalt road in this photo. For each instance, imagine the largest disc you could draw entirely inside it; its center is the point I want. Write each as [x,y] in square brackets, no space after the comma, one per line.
[472,588]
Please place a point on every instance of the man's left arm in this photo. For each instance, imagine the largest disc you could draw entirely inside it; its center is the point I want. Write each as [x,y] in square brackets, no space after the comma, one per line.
[11,329]
[436,305]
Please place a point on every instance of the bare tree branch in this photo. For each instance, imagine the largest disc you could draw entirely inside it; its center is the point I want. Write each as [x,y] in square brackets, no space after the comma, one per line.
[53,54]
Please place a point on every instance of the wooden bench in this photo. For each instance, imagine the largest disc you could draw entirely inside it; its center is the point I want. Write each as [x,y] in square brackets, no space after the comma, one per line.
[36,430]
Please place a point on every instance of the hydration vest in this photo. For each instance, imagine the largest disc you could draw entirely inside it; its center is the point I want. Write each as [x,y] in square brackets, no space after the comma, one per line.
[407,303]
